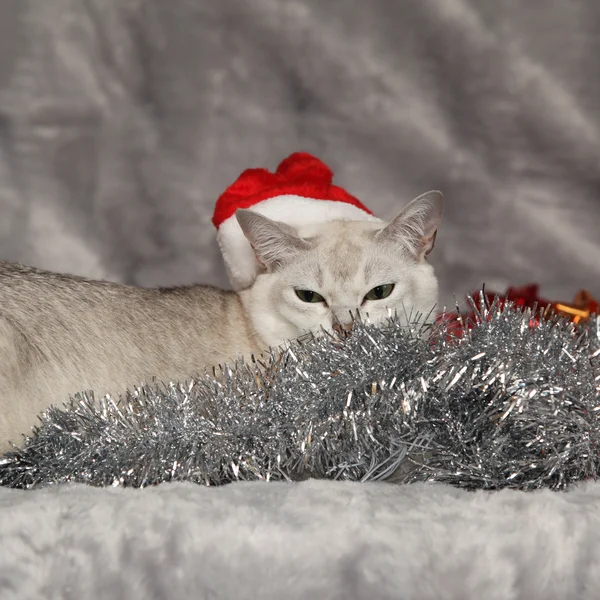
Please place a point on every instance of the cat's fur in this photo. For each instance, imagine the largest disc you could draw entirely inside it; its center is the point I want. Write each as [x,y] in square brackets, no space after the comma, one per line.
[62,334]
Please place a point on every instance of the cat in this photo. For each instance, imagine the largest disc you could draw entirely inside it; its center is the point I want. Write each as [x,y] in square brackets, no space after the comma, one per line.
[340,267]
[61,334]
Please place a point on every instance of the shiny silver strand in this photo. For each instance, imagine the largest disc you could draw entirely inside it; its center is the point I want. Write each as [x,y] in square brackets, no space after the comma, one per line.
[514,403]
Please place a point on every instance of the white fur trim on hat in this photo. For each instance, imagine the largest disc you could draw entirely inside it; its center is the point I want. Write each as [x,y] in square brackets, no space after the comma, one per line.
[240,262]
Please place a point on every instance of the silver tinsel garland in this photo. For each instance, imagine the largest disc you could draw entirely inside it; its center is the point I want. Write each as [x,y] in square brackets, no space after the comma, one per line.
[514,402]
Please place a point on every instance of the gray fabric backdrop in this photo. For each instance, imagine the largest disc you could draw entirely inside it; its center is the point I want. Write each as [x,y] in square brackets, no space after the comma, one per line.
[122,120]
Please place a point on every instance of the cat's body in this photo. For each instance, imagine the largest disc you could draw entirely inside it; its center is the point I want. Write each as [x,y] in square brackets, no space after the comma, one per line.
[61,334]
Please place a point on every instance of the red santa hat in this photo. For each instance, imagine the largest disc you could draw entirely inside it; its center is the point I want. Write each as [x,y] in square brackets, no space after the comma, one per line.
[300,192]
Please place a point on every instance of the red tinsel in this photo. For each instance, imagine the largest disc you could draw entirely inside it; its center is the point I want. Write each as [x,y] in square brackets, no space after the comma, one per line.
[581,308]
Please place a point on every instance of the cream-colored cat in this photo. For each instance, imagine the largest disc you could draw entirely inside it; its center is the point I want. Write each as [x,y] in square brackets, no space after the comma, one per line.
[61,334]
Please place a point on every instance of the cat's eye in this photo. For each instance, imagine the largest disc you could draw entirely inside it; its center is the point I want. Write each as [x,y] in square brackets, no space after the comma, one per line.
[309,296]
[380,292]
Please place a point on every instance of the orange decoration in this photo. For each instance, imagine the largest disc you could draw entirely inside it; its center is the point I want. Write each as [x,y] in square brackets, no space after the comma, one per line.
[583,306]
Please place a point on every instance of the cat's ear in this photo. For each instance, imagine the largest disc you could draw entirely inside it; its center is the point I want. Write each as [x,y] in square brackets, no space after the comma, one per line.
[273,242]
[415,227]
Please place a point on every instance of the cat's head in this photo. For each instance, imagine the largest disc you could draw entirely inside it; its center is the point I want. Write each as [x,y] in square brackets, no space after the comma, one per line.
[317,276]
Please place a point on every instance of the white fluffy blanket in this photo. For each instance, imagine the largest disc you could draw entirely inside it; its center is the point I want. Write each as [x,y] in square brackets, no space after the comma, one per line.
[311,540]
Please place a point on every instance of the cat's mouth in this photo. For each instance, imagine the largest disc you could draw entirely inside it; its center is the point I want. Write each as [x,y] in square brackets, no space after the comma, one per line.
[337,334]
[343,331]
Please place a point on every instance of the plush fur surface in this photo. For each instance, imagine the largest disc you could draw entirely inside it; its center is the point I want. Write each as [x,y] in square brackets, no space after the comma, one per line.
[125,119]
[315,539]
